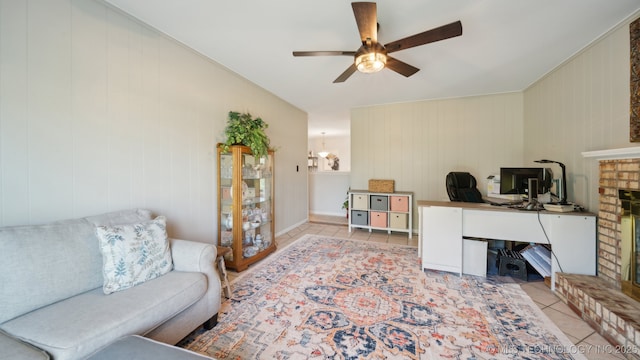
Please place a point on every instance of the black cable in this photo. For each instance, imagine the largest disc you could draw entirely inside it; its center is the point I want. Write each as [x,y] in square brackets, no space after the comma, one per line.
[549,242]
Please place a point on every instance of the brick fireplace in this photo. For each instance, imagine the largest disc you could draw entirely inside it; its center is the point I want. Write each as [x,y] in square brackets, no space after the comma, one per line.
[599,299]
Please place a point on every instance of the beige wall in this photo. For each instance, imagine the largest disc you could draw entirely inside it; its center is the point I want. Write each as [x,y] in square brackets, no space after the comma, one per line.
[99,112]
[417,144]
[582,105]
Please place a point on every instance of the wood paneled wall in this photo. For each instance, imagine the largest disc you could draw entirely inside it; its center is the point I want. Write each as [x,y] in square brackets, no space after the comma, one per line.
[417,144]
[99,112]
[582,105]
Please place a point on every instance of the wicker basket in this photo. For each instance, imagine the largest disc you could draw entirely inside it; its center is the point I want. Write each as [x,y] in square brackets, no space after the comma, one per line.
[381,186]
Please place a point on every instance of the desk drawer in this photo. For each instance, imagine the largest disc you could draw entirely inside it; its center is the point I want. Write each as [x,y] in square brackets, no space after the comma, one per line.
[503,225]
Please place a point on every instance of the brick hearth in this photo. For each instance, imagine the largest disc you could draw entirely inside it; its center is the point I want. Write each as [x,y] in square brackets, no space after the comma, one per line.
[598,299]
[610,312]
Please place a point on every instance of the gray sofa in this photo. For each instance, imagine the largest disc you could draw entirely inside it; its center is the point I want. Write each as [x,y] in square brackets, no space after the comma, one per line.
[52,302]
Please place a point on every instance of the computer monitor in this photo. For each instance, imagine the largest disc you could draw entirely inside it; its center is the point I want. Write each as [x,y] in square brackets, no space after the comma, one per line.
[516,180]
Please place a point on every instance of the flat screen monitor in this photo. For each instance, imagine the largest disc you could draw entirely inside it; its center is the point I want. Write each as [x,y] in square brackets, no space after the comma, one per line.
[516,180]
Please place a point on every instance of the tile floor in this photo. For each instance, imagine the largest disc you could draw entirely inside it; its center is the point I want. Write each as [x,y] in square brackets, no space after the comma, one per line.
[589,343]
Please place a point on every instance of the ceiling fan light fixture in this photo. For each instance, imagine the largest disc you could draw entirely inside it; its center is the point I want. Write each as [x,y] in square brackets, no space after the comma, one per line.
[371,57]
[371,62]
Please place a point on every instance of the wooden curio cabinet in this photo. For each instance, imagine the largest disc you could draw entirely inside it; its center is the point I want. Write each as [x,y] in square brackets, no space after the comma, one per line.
[245,206]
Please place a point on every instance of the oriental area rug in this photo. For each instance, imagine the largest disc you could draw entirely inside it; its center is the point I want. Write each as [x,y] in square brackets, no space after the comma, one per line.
[330,298]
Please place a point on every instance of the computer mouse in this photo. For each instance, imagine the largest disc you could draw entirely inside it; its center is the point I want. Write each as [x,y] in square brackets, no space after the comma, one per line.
[530,206]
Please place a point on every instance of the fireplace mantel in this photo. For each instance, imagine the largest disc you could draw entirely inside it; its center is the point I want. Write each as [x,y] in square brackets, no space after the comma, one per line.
[614,154]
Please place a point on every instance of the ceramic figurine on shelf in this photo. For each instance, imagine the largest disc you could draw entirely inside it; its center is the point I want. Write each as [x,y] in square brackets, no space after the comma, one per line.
[245,189]
[248,239]
[228,223]
[258,241]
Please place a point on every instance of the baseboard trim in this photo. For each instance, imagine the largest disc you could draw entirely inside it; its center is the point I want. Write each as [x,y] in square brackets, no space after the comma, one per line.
[341,214]
[284,231]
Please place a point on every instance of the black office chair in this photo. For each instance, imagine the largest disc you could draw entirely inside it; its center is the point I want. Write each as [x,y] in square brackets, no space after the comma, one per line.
[461,186]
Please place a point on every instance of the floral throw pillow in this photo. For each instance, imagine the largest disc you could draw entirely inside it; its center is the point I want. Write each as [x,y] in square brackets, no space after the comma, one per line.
[134,253]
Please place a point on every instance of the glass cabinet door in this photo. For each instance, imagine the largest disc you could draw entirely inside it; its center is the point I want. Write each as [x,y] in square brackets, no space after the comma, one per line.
[256,205]
[226,201]
[245,212]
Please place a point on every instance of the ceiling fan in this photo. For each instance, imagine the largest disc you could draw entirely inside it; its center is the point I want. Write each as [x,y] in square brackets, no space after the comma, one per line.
[373,56]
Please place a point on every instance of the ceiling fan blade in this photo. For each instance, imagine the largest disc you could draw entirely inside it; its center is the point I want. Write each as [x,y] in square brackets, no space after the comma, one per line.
[367,20]
[401,67]
[440,33]
[345,75]
[323,53]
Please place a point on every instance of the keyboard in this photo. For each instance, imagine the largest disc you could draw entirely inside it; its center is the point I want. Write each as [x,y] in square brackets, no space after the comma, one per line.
[502,202]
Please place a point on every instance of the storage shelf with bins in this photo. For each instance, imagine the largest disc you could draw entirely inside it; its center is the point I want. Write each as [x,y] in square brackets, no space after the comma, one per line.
[245,206]
[381,211]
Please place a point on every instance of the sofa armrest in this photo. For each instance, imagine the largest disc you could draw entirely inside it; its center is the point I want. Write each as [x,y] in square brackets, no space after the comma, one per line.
[14,349]
[192,256]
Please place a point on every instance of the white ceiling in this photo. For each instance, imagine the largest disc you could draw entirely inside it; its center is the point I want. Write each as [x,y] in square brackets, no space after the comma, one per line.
[506,45]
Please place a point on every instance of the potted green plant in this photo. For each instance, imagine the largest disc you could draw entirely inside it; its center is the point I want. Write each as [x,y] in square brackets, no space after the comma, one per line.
[243,129]
[345,204]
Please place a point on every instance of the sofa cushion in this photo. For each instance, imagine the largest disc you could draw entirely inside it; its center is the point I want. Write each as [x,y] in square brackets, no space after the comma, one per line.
[75,327]
[42,264]
[14,349]
[141,348]
[134,253]
[128,216]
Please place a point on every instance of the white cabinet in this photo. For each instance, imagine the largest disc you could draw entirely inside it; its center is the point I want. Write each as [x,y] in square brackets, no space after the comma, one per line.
[474,257]
[441,238]
[573,242]
[381,211]
[443,225]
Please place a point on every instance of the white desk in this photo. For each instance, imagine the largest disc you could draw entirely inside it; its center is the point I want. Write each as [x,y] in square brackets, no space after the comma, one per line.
[442,226]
